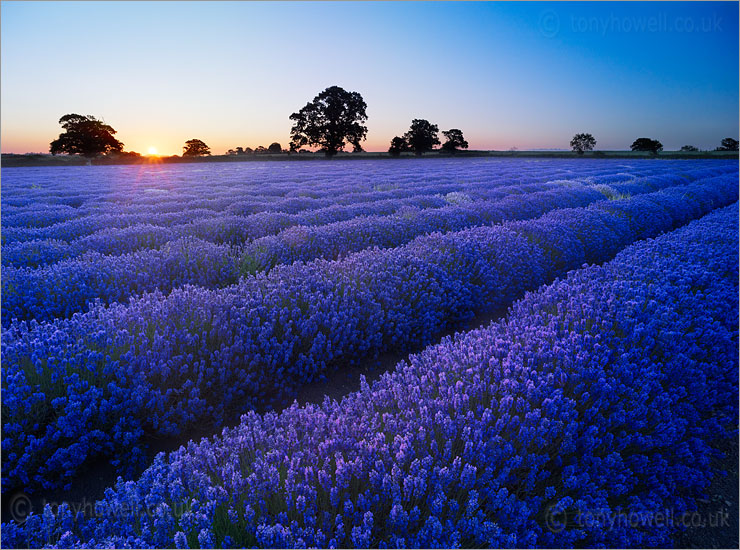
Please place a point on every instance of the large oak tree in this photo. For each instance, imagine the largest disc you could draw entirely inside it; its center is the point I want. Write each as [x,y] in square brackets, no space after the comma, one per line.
[195,148]
[85,136]
[455,141]
[728,144]
[582,142]
[333,117]
[422,136]
[647,144]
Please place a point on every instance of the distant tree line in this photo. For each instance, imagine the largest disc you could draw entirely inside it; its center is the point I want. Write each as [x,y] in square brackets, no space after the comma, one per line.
[273,148]
[586,142]
[334,119]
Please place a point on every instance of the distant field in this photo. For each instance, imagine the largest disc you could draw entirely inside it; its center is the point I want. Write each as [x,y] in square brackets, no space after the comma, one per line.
[149,307]
[9,160]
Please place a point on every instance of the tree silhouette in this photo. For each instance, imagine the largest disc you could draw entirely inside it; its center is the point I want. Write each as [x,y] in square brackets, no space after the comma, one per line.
[728,144]
[646,144]
[275,148]
[85,136]
[398,145]
[454,141]
[195,148]
[333,117]
[422,136]
[582,142]
[689,149]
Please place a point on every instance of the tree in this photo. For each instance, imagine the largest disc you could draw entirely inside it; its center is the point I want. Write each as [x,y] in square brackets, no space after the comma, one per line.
[582,142]
[454,141]
[689,149]
[85,136]
[728,144]
[333,117]
[275,148]
[260,150]
[398,145]
[647,144]
[422,136]
[195,148]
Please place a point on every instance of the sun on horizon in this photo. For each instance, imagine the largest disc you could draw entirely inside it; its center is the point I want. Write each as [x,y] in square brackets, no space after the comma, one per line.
[153,151]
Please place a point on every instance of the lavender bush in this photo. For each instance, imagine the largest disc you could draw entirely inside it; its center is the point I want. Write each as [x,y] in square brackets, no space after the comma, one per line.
[69,286]
[598,396]
[61,289]
[95,383]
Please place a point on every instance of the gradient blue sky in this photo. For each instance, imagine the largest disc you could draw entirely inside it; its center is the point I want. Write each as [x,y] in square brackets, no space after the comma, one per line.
[528,75]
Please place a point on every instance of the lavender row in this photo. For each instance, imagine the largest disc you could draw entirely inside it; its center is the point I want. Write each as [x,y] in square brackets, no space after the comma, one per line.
[216,228]
[150,231]
[63,288]
[599,397]
[69,286]
[158,214]
[125,202]
[230,195]
[195,219]
[94,384]
[33,223]
[338,239]
[233,230]
[89,189]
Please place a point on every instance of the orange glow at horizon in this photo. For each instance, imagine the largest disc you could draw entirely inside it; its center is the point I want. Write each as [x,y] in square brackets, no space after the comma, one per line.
[141,137]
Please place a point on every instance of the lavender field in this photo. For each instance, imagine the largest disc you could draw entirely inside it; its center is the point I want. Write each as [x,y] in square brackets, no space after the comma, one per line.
[152,302]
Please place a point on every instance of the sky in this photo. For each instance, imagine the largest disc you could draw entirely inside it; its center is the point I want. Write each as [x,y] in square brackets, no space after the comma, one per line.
[526,75]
